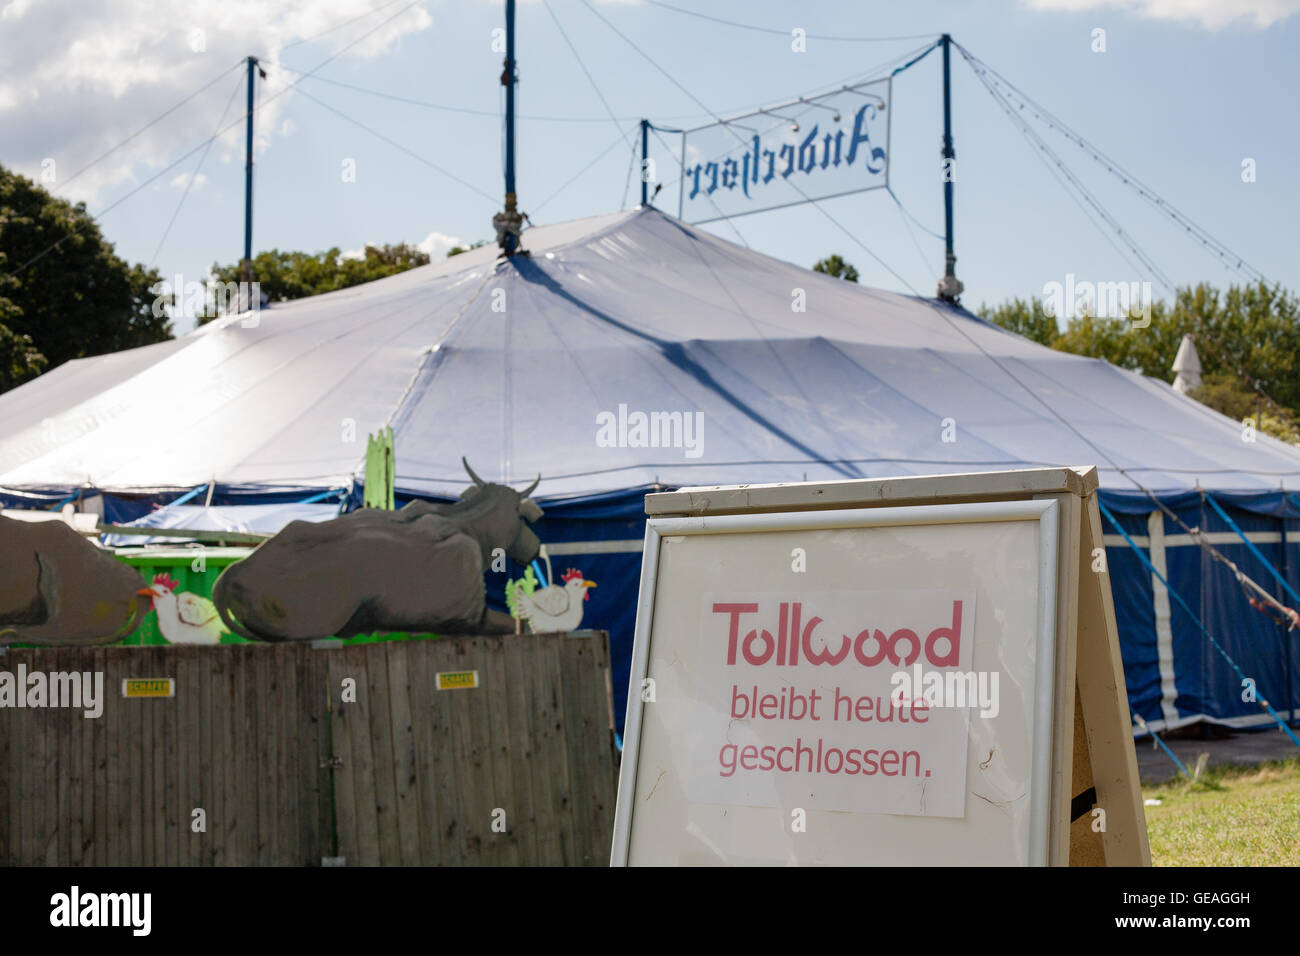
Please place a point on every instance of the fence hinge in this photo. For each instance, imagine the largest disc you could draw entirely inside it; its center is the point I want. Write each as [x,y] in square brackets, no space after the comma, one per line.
[331,762]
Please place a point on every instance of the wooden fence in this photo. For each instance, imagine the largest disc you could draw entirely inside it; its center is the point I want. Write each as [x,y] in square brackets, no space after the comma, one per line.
[295,754]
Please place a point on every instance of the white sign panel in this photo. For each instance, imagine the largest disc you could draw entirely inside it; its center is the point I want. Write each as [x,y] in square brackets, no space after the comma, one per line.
[805,699]
[845,687]
[813,148]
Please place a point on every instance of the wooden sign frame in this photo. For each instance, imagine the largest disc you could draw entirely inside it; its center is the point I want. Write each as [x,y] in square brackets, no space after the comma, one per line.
[1087,757]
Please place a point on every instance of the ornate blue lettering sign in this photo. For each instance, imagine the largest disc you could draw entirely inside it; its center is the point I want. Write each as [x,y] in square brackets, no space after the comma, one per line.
[813,148]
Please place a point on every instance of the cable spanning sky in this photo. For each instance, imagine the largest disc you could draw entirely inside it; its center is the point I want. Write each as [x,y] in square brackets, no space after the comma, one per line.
[381,122]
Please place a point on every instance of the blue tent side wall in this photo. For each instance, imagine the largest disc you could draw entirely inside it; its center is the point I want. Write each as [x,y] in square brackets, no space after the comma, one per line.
[1205,686]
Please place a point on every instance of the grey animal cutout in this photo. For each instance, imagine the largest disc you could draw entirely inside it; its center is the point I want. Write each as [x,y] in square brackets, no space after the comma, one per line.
[418,569]
[58,589]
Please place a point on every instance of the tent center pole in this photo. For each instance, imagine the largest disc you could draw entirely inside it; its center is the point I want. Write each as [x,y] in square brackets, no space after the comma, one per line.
[246,265]
[950,288]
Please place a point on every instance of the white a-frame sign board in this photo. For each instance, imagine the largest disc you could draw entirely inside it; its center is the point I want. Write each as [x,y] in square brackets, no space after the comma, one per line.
[913,670]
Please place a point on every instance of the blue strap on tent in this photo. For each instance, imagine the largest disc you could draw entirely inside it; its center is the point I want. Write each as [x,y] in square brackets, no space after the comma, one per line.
[332,493]
[1251,545]
[72,497]
[1179,598]
[541,577]
[187,496]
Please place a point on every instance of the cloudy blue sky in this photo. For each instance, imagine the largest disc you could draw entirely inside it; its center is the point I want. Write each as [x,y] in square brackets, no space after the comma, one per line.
[1184,92]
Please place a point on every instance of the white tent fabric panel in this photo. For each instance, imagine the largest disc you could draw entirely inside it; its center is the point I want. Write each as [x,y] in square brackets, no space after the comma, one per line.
[509,363]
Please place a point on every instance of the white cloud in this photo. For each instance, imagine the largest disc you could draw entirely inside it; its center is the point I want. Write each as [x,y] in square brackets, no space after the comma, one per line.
[436,245]
[77,80]
[179,182]
[1210,14]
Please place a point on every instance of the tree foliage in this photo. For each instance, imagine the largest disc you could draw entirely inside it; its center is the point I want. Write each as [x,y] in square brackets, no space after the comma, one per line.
[64,293]
[834,265]
[293,275]
[1248,340]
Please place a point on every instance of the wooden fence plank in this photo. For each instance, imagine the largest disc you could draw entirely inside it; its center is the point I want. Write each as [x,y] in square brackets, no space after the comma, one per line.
[169,810]
[232,827]
[495,694]
[467,760]
[604,754]
[288,779]
[543,767]
[151,659]
[214,766]
[345,798]
[361,767]
[54,720]
[319,706]
[447,769]
[523,752]
[185,663]
[265,732]
[8,768]
[245,762]
[405,786]
[99,751]
[561,778]
[573,657]
[381,746]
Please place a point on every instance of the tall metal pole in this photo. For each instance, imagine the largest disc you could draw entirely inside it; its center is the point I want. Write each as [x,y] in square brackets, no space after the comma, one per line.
[949,286]
[509,223]
[247,264]
[645,153]
[509,80]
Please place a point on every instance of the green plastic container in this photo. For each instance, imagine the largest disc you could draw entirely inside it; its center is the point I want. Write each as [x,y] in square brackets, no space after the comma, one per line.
[195,571]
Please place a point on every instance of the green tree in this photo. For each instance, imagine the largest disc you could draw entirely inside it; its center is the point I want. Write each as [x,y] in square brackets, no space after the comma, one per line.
[294,275]
[64,293]
[1029,319]
[834,265]
[1248,340]
[19,359]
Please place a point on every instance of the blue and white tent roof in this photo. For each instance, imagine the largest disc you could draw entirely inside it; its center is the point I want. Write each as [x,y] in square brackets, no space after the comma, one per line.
[542,364]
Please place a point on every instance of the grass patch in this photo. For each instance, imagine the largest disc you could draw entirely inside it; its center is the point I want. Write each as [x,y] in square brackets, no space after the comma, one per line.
[1231,816]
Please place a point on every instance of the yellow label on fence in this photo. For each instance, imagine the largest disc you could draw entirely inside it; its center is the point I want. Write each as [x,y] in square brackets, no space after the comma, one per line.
[457,680]
[148,687]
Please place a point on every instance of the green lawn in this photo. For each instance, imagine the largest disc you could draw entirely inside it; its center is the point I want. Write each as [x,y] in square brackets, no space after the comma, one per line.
[1232,816]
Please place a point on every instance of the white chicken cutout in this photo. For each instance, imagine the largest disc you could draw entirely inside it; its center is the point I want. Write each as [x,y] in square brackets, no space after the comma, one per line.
[184,618]
[554,608]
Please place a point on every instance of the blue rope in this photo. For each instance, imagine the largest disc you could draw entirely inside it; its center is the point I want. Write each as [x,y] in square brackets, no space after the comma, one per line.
[186,497]
[72,497]
[1249,544]
[916,59]
[332,493]
[1178,597]
[1163,746]
[537,570]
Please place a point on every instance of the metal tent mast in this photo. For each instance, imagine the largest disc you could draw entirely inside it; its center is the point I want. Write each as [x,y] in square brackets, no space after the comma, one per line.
[246,265]
[509,223]
[949,286]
